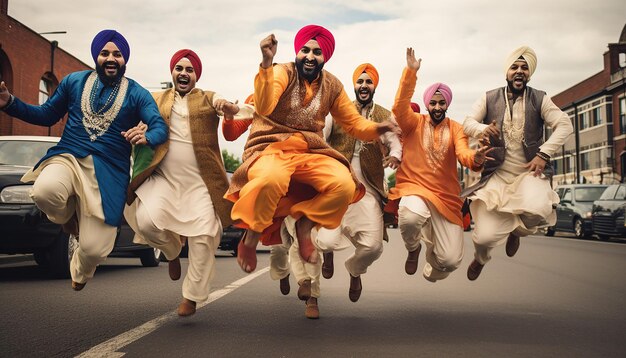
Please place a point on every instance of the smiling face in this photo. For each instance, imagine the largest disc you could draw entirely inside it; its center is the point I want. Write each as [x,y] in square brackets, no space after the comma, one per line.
[310,60]
[184,77]
[437,107]
[518,76]
[110,62]
[364,89]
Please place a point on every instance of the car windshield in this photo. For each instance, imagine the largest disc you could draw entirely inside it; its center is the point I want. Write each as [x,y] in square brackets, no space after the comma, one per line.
[23,152]
[588,194]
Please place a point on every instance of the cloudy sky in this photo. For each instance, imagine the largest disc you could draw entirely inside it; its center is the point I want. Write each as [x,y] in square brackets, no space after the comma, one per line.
[462,43]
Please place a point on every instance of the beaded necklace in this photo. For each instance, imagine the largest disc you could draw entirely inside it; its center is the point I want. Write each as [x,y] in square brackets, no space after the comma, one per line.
[97,122]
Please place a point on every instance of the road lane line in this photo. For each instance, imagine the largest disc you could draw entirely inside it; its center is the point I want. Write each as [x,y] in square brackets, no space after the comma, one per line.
[110,347]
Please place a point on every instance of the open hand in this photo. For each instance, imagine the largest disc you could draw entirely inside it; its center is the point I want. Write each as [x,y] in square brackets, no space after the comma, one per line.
[411,62]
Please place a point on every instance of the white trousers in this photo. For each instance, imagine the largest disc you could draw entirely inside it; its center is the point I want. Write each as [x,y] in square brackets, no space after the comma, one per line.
[286,257]
[54,192]
[202,248]
[443,239]
[362,225]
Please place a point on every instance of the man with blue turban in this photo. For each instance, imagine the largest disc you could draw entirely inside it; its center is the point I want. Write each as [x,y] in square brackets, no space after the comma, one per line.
[514,196]
[81,182]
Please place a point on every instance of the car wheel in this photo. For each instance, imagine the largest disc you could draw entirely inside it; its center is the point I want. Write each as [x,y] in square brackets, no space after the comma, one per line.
[150,257]
[60,255]
[550,231]
[578,228]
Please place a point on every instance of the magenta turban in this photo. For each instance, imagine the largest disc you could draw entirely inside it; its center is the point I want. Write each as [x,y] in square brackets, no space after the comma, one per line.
[105,36]
[445,91]
[191,56]
[323,37]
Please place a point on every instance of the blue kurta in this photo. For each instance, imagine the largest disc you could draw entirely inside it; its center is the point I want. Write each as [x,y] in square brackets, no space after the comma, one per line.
[110,152]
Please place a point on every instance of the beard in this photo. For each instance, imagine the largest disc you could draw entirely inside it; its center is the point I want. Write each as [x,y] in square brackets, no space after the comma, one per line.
[434,116]
[309,75]
[514,90]
[364,102]
[109,80]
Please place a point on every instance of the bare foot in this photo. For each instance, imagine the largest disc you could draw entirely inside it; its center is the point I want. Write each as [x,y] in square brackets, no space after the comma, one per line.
[307,251]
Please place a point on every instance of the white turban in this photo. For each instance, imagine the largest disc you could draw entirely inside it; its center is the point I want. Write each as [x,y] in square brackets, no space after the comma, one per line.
[529,56]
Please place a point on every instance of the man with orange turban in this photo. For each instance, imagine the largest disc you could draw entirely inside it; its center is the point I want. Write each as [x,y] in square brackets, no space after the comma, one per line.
[514,197]
[288,168]
[177,189]
[362,225]
[427,187]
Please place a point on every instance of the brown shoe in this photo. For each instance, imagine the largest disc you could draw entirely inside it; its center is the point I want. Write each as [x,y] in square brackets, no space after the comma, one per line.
[186,308]
[410,266]
[473,270]
[304,292]
[512,245]
[284,285]
[78,286]
[355,288]
[328,269]
[174,268]
[312,311]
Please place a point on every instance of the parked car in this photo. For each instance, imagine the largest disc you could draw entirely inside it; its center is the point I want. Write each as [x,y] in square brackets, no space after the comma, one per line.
[608,213]
[24,229]
[573,213]
[231,235]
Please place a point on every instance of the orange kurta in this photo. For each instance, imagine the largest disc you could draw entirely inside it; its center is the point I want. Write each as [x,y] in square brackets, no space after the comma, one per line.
[430,153]
[283,142]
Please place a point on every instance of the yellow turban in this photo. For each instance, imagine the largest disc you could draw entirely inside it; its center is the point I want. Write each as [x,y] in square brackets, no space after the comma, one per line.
[527,53]
[367,68]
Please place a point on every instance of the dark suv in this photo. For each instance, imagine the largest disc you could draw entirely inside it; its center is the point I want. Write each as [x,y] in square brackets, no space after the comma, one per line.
[609,213]
[573,213]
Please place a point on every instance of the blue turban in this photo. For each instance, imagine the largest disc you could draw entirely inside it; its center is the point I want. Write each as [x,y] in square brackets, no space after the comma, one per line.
[105,36]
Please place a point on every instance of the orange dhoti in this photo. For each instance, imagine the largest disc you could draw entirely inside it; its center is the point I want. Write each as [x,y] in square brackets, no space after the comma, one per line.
[287,179]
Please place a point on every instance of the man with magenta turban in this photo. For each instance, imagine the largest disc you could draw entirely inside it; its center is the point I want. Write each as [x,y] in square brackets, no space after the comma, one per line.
[288,168]
[362,226]
[427,187]
[514,196]
[177,189]
[82,181]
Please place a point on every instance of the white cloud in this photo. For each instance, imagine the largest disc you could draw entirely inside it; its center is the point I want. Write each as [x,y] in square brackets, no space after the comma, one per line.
[462,43]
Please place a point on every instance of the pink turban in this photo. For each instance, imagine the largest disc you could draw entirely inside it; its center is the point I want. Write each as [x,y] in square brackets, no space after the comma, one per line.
[367,68]
[191,56]
[323,37]
[445,91]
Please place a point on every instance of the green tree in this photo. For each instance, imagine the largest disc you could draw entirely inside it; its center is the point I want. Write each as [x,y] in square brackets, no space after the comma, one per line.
[230,161]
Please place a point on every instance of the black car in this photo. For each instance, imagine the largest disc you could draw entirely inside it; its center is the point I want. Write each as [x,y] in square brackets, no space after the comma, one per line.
[573,213]
[231,235]
[608,213]
[24,229]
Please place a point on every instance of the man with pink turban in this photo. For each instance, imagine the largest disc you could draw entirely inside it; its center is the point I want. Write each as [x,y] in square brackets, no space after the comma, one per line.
[81,182]
[177,188]
[288,168]
[362,225]
[514,196]
[427,187]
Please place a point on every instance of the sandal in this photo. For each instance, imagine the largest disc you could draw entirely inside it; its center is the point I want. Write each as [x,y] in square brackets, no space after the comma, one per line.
[246,256]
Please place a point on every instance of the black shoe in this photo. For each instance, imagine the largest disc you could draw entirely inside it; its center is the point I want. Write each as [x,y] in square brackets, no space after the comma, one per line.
[328,268]
[474,270]
[512,245]
[355,288]
[284,285]
[410,266]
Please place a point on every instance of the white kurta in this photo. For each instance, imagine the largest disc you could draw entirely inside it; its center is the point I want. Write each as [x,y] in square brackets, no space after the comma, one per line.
[175,195]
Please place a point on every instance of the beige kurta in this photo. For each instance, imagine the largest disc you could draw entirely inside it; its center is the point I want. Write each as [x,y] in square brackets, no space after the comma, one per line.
[175,196]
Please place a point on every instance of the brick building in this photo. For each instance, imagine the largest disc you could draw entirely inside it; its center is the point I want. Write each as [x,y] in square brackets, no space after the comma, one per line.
[31,68]
[596,153]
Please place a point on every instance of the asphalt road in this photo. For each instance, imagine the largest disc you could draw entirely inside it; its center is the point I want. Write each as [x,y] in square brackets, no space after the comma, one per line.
[558,297]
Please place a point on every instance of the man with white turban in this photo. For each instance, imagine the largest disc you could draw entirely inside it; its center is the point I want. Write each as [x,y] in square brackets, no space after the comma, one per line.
[514,196]
[362,225]
[426,195]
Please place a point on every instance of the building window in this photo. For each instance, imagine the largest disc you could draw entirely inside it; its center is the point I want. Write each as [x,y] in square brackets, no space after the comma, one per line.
[584,120]
[45,86]
[596,116]
[622,115]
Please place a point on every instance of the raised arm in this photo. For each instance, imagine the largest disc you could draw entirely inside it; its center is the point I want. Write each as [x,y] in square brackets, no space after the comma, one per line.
[271,81]
[45,115]
[402,104]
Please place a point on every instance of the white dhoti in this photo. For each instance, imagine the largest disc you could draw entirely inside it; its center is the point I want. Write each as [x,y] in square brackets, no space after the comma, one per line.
[65,186]
[418,221]
[361,226]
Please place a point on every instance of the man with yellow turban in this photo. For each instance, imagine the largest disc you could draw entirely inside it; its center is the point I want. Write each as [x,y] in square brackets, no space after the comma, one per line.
[177,189]
[513,197]
[427,187]
[362,225]
[288,168]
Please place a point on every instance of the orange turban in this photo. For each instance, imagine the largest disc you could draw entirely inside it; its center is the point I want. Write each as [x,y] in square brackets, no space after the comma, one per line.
[367,68]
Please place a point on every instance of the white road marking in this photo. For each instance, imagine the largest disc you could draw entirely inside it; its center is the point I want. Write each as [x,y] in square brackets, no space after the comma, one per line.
[110,347]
